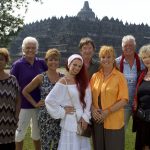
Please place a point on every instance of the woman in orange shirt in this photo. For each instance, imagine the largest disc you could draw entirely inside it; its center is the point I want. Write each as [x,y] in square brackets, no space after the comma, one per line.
[110,95]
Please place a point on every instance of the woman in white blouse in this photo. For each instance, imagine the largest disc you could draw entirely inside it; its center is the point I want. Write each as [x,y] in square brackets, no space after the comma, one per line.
[70,100]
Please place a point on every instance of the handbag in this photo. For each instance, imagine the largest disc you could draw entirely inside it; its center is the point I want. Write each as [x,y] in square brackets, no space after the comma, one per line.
[84,132]
[143,114]
[80,131]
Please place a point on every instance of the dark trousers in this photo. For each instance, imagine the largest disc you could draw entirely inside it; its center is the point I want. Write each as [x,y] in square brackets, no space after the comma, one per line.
[107,139]
[8,146]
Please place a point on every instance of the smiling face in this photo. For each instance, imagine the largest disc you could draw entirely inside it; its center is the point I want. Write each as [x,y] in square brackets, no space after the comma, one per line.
[107,56]
[75,66]
[107,61]
[30,50]
[87,51]
[146,59]
[128,48]
[52,62]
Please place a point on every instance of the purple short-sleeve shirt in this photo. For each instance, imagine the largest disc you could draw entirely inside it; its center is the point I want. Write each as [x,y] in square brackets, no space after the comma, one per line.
[25,72]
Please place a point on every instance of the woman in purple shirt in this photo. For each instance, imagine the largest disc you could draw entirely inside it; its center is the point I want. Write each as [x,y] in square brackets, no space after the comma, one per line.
[25,69]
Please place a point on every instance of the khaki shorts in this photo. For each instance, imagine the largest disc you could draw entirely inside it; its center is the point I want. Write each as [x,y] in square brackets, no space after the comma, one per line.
[27,117]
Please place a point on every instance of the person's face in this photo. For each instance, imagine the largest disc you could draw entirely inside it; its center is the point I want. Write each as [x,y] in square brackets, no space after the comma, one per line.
[146,60]
[87,51]
[75,67]
[30,50]
[2,62]
[107,61]
[53,63]
[129,48]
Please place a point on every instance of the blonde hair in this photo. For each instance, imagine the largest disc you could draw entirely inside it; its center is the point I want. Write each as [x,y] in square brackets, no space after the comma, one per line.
[53,52]
[107,50]
[5,53]
[144,50]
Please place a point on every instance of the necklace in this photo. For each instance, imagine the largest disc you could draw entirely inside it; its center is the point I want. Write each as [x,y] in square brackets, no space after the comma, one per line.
[53,78]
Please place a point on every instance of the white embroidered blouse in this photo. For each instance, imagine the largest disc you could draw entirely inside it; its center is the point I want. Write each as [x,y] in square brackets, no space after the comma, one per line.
[59,97]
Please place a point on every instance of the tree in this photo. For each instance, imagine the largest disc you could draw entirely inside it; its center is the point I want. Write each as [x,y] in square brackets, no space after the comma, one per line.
[10,21]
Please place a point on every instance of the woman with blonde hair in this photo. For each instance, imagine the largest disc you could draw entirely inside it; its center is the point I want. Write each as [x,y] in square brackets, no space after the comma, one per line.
[142,103]
[49,127]
[110,95]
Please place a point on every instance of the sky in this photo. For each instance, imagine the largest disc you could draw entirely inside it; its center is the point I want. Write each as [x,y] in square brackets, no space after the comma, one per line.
[131,11]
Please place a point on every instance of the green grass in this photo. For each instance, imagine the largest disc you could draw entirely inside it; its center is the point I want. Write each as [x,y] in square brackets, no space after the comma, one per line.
[129,138]
[129,142]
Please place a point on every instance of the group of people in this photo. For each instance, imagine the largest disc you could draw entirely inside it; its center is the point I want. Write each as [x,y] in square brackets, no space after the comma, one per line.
[104,93]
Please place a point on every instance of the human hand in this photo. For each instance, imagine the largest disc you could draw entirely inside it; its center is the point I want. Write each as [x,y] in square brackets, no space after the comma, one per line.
[40,103]
[103,116]
[96,114]
[69,109]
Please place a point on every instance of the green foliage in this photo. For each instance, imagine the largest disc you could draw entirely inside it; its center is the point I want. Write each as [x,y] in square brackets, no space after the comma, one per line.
[10,21]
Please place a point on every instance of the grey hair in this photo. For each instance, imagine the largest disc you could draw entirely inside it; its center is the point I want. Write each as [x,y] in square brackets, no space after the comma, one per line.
[145,49]
[128,38]
[27,40]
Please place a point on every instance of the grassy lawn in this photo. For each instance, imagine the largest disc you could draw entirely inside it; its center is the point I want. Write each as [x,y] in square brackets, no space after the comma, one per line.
[129,143]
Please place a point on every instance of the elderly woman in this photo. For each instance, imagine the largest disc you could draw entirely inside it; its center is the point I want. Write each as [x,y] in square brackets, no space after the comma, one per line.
[130,65]
[70,100]
[142,102]
[110,95]
[49,127]
[25,69]
[9,104]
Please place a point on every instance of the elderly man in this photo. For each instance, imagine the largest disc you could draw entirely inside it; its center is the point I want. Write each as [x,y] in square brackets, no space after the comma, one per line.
[25,69]
[130,65]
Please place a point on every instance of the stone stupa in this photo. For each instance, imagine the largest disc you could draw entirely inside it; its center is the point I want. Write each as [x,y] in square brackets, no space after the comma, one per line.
[86,12]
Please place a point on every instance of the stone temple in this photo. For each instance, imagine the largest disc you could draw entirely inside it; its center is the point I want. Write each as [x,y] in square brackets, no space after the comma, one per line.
[86,12]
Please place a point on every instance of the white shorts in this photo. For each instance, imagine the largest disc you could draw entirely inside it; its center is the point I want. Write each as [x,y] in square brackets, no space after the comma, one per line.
[27,117]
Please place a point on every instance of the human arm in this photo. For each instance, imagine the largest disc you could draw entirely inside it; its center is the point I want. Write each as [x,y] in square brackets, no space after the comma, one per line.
[56,101]
[36,82]
[86,116]
[118,96]
[87,110]
[18,104]
[118,105]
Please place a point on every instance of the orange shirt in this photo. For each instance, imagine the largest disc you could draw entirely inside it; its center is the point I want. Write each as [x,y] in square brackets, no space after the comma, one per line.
[111,90]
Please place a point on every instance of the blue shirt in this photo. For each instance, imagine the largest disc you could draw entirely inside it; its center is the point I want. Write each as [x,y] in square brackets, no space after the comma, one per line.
[25,72]
[131,76]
